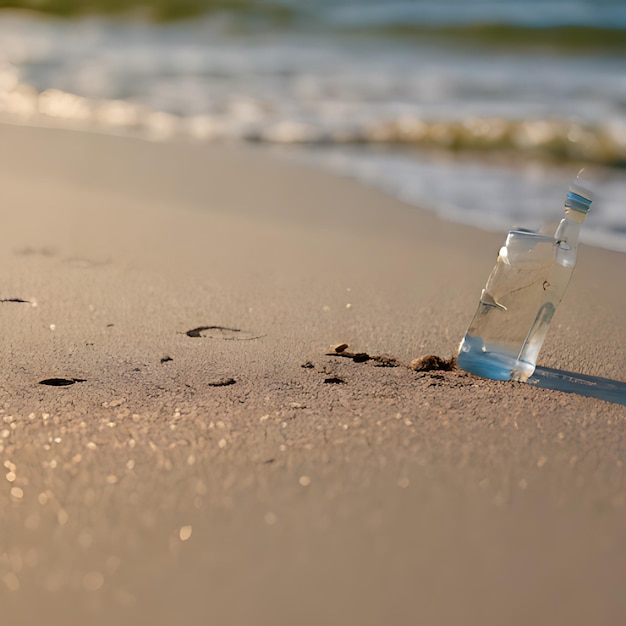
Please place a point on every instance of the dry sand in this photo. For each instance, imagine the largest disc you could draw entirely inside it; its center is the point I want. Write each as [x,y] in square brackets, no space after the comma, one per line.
[243,476]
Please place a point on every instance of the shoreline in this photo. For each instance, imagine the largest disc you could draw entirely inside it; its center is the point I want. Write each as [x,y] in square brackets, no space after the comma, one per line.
[171,130]
[210,458]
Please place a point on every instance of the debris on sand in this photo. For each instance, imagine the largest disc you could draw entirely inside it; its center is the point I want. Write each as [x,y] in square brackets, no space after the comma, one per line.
[433,362]
[428,363]
[381,360]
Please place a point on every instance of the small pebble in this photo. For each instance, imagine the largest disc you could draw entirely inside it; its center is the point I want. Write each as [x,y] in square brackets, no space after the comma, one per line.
[433,362]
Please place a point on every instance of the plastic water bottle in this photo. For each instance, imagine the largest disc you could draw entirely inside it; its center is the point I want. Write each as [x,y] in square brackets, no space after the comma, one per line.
[524,288]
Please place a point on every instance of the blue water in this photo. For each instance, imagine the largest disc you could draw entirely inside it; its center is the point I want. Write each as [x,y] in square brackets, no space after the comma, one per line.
[487,365]
[485,125]
[538,13]
[496,363]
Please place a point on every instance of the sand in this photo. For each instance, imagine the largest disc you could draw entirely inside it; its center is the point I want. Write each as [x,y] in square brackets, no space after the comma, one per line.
[210,461]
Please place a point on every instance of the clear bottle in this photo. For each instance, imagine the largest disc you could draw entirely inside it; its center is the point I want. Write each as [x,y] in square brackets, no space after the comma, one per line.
[524,288]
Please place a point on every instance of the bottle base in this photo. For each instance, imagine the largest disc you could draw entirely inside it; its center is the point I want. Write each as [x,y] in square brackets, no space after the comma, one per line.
[493,364]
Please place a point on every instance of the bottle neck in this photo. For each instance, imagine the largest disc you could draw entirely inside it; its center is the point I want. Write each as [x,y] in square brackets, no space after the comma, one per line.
[569,229]
[575,216]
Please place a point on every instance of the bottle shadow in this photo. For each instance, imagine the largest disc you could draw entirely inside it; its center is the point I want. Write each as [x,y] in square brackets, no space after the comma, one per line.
[582,384]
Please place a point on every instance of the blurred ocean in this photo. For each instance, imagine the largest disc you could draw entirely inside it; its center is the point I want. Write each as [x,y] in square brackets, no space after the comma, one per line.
[481,111]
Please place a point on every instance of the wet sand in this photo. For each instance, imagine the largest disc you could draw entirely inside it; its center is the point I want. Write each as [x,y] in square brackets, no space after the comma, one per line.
[198,455]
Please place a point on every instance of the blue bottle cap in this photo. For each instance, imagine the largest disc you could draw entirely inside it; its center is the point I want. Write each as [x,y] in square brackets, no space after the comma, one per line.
[578,198]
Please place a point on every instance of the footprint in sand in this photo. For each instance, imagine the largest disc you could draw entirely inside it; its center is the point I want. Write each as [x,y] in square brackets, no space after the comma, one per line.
[222,382]
[334,380]
[43,251]
[61,382]
[222,332]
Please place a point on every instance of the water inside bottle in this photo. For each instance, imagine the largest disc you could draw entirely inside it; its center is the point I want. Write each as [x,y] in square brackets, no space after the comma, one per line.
[489,361]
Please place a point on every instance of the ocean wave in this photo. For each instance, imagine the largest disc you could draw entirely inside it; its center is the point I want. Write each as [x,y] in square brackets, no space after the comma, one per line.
[567,25]
[159,10]
[574,38]
[554,139]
